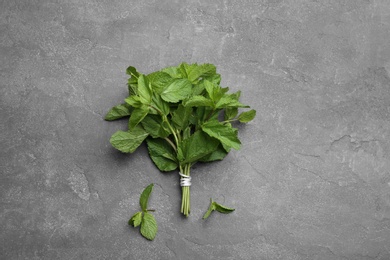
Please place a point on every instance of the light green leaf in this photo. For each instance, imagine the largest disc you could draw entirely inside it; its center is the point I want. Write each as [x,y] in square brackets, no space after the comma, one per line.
[153,124]
[180,116]
[196,146]
[247,116]
[194,71]
[133,101]
[128,142]
[144,90]
[229,100]
[215,92]
[177,90]
[162,154]
[160,104]
[224,133]
[118,111]
[144,198]
[218,207]
[137,116]
[136,219]
[149,226]
[198,101]
[159,80]
[174,72]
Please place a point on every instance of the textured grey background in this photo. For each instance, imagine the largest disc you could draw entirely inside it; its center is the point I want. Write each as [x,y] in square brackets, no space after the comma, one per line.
[312,180]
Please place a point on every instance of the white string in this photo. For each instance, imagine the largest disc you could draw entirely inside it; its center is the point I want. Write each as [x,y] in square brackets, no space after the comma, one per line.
[185,180]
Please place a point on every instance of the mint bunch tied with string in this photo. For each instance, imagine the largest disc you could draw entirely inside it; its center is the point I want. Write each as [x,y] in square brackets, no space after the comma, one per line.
[185,117]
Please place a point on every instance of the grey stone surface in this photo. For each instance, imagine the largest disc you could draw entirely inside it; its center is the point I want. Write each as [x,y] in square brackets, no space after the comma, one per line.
[312,180]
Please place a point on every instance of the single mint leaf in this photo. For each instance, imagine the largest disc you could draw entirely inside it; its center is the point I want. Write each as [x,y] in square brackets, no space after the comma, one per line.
[223,132]
[247,116]
[144,90]
[159,80]
[215,92]
[118,111]
[177,90]
[144,198]
[160,104]
[134,101]
[162,154]
[128,142]
[198,101]
[132,71]
[218,207]
[136,219]
[210,209]
[149,226]
[194,71]
[174,72]
[153,124]
[229,100]
[222,209]
[137,116]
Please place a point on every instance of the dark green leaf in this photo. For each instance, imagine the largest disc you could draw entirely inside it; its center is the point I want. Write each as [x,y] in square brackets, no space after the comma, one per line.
[247,116]
[196,146]
[177,90]
[137,116]
[144,198]
[222,209]
[133,80]
[153,124]
[180,116]
[160,104]
[230,113]
[128,142]
[224,133]
[118,111]
[216,155]
[132,71]
[136,219]
[229,100]
[149,226]
[162,154]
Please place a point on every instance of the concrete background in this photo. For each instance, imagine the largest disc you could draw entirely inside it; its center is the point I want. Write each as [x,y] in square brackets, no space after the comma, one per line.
[312,180]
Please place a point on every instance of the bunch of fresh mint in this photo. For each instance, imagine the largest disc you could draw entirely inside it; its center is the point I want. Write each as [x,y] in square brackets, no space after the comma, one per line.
[184,115]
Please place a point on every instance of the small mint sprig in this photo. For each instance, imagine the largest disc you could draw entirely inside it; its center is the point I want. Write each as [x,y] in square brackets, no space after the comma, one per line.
[218,207]
[144,218]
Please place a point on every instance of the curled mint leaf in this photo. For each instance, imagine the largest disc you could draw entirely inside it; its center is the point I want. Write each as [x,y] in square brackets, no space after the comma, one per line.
[144,198]
[136,219]
[218,207]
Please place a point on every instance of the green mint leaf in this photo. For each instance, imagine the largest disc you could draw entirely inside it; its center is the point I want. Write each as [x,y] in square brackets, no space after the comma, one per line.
[137,116]
[133,80]
[149,226]
[223,132]
[198,101]
[128,142]
[174,72]
[177,90]
[181,116]
[229,100]
[216,155]
[136,219]
[118,111]
[134,101]
[218,207]
[160,104]
[222,209]
[153,124]
[144,198]
[132,71]
[230,113]
[215,78]
[162,154]
[215,92]
[159,80]
[194,71]
[144,90]
[196,146]
[247,116]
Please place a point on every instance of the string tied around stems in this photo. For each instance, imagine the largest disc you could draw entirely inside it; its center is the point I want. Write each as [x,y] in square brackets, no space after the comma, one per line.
[185,180]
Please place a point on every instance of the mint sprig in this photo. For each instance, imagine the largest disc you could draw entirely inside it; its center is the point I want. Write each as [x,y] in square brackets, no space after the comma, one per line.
[218,207]
[143,218]
[183,114]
